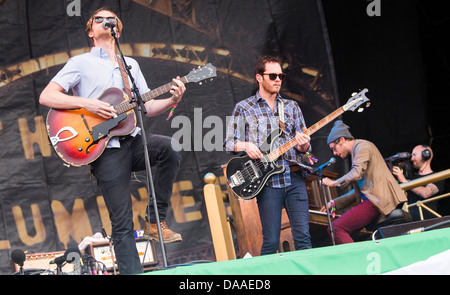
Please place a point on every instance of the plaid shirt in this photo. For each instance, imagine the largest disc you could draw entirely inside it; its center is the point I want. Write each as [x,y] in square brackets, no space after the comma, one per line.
[253,121]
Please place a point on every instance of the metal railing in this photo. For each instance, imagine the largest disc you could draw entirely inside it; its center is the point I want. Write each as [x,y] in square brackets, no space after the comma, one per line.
[424,181]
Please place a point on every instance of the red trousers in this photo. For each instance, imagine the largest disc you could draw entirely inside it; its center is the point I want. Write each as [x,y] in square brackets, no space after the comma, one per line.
[353,221]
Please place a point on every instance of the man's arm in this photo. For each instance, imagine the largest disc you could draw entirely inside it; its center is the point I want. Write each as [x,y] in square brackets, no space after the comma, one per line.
[303,142]
[158,106]
[251,149]
[53,96]
[359,166]
[343,201]
[426,191]
[422,191]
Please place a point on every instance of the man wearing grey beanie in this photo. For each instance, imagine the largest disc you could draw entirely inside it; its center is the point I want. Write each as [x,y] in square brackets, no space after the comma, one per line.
[379,192]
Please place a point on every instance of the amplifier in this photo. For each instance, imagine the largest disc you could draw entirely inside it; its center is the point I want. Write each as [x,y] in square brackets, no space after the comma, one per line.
[102,252]
[41,261]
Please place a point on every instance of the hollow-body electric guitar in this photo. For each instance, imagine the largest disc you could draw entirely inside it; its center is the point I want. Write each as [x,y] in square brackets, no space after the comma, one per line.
[246,177]
[80,137]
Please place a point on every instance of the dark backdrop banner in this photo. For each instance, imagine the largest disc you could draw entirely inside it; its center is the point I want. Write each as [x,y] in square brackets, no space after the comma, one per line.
[47,206]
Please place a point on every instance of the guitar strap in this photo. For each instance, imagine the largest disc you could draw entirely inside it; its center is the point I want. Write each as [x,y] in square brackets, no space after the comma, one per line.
[126,83]
[281,114]
[125,78]
[307,158]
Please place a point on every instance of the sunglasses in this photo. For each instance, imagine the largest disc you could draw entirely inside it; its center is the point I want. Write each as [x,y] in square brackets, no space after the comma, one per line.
[273,77]
[99,19]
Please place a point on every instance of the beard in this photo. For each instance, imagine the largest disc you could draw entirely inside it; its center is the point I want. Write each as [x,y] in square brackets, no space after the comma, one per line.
[271,88]
[344,154]
[417,165]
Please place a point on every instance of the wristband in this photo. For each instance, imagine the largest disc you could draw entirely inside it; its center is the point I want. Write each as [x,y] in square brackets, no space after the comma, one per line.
[333,209]
[173,106]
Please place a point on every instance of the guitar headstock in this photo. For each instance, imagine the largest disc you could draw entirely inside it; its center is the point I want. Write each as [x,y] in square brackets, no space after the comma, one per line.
[357,100]
[203,73]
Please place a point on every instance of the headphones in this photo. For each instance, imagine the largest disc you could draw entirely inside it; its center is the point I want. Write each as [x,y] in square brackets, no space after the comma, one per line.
[426,153]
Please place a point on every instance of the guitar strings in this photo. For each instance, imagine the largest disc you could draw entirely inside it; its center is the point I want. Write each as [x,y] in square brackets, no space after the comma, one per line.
[248,173]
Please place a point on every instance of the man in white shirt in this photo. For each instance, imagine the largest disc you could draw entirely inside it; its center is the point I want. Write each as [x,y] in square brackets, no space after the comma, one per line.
[88,75]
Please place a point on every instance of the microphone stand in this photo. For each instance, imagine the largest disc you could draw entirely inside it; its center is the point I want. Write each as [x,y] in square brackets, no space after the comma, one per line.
[59,267]
[110,250]
[21,272]
[322,192]
[150,185]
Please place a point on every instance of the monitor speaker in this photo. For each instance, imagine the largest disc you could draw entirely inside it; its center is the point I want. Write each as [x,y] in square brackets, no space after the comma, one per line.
[403,228]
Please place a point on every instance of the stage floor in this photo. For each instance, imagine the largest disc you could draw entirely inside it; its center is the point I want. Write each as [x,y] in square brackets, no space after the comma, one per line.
[360,258]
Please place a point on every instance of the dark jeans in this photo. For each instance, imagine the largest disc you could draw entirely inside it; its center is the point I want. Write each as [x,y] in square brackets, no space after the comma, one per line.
[270,204]
[113,173]
[352,221]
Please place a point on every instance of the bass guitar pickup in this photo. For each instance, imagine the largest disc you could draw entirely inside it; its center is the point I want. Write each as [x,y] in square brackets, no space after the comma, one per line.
[252,172]
[236,179]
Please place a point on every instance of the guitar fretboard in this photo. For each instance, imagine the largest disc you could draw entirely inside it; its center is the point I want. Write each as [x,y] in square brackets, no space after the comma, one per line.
[314,128]
[127,105]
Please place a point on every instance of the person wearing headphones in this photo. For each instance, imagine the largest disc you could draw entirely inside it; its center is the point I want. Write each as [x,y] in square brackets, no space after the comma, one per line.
[421,157]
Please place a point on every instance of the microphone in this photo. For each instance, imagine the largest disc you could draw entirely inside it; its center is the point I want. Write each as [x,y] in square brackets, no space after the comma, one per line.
[330,162]
[107,25]
[59,260]
[402,155]
[18,257]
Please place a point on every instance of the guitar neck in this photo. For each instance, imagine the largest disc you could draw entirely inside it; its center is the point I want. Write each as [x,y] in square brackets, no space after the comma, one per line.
[128,105]
[311,130]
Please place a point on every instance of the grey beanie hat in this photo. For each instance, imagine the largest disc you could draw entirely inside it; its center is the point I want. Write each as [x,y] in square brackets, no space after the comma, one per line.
[339,130]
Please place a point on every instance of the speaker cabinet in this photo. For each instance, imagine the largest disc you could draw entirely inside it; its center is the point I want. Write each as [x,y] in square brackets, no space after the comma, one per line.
[403,228]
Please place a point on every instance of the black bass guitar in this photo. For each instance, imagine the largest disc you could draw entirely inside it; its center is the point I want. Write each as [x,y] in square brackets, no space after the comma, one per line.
[246,177]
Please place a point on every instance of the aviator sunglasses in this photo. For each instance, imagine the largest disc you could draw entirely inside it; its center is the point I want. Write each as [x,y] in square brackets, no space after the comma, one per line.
[99,19]
[273,77]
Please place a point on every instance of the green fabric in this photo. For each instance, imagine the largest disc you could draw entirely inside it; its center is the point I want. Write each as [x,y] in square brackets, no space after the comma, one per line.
[369,257]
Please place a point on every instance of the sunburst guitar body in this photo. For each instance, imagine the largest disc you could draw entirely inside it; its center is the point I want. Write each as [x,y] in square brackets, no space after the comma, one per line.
[80,137]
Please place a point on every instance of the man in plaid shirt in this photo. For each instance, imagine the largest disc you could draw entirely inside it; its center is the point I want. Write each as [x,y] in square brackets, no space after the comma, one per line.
[254,120]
